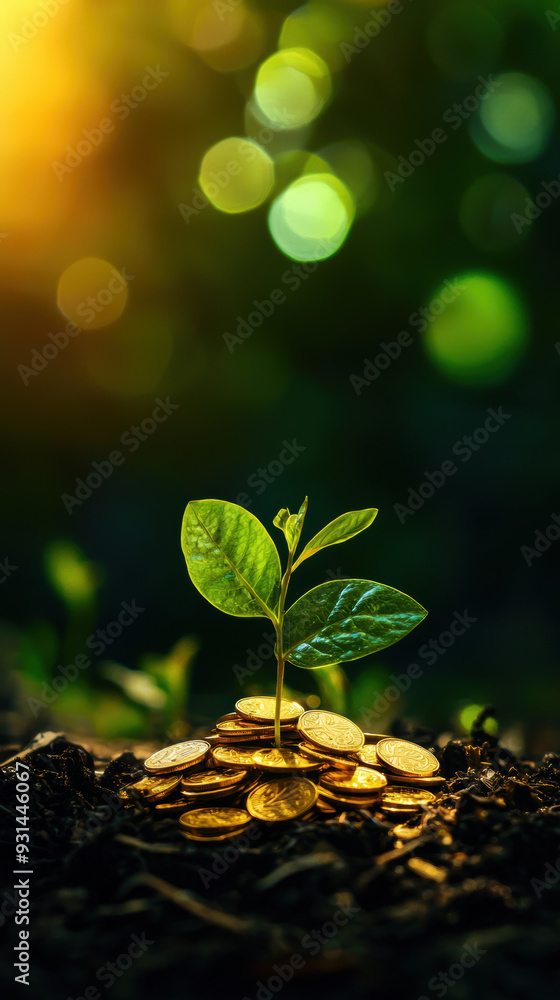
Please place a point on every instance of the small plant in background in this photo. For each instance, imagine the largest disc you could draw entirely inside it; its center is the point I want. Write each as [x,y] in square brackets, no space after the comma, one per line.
[235,565]
[101,695]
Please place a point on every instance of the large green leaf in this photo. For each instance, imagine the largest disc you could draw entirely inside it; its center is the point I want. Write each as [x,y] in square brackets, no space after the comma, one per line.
[339,530]
[231,558]
[346,619]
[291,524]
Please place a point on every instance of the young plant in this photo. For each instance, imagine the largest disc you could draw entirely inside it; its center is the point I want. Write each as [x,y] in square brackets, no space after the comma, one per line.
[235,565]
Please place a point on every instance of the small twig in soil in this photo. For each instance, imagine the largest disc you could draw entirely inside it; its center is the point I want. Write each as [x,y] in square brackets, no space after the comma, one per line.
[187,901]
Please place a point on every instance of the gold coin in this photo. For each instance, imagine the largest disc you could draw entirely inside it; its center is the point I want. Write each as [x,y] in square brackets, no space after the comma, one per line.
[198,797]
[330,732]
[209,837]
[229,740]
[281,798]
[232,757]
[363,780]
[234,722]
[213,739]
[263,709]
[368,755]
[282,760]
[339,801]
[433,781]
[170,808]
[398,798]
[249,734]
[212,779]
[374,738]
[177,757]
[403,757]
[235,726]
[152,789]
[322,757]
[214,819]
[231,717]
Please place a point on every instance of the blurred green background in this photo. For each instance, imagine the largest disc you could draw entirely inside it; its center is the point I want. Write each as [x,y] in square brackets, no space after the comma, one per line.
[379,156]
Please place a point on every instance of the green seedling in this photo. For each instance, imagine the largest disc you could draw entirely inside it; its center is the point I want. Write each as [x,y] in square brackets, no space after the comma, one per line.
[235,565]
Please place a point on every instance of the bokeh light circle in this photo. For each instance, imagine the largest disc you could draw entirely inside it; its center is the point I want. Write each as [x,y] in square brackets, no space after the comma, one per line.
[292,87]
[488,209]
[92,293]
[226,36]
[480,331]
[319,27]
[514,123]
[236,175]
[311,218]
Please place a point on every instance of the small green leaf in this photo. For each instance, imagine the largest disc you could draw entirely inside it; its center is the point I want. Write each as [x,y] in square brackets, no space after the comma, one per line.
[281,518]
[345,619]
[291,524]
[231,558]
[339,530]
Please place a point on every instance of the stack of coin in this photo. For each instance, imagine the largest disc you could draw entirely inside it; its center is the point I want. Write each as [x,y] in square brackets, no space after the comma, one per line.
[326,764]
[400,799]
[213,823]
[361,788]
[253,720]
[406,763]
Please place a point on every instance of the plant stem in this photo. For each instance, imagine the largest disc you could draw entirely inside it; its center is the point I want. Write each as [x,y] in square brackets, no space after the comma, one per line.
[279,683]
[279,648]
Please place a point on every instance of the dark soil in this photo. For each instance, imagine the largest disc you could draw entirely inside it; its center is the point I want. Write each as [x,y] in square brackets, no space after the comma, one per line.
[256,917]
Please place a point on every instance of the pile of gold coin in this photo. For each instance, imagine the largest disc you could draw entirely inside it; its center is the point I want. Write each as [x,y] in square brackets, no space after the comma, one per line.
[326,765]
